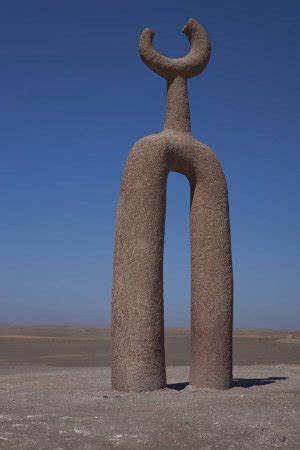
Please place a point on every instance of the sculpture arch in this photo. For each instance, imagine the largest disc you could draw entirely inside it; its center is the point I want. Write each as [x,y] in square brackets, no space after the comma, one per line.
[138,359]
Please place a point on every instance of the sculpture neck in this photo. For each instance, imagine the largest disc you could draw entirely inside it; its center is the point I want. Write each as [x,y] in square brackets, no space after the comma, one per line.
[178,110]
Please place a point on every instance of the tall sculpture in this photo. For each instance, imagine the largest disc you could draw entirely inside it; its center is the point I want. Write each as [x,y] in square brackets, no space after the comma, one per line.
[138,357]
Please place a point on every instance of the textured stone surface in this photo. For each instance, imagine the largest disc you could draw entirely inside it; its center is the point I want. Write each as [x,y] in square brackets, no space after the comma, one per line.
[138,359]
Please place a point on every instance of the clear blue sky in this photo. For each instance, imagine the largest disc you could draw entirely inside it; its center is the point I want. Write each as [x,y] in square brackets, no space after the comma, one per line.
[74,98]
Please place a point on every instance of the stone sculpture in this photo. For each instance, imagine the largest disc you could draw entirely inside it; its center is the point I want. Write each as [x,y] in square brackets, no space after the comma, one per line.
[138,358]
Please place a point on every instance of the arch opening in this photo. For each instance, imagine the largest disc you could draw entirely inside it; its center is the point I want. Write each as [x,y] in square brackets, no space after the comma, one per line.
[177,271]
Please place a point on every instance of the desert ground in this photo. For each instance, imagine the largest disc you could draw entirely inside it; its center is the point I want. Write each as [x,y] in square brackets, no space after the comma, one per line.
[55,394]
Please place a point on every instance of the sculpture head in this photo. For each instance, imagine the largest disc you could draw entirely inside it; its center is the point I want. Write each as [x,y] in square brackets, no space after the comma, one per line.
[190,65]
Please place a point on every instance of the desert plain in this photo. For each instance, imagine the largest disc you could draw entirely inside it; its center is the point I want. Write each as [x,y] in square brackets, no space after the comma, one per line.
[55,394]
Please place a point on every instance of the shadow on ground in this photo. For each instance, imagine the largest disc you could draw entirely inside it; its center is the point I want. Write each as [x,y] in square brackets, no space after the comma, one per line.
[238,382]
[250,382]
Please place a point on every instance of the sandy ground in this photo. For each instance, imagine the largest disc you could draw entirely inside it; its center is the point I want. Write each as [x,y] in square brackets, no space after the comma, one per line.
[85,347]
[64,401]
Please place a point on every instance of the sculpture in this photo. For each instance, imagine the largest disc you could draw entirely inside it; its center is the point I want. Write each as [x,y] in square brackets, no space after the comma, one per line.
[138,358]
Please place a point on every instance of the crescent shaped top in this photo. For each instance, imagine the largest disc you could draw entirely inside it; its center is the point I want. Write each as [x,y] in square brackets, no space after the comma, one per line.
[190,65]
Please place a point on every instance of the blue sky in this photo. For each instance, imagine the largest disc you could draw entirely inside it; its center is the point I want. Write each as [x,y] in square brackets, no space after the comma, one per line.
[75,97]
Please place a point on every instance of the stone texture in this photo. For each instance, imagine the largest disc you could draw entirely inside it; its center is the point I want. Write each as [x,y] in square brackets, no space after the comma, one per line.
[138,359]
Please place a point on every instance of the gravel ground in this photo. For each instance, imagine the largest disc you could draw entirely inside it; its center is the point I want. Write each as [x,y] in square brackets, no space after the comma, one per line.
[69,408]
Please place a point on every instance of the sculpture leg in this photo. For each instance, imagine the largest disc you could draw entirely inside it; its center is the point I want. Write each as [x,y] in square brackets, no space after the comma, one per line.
[138,360]
[211,316]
